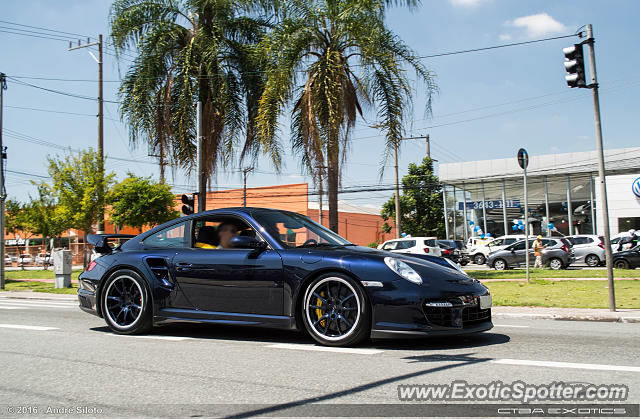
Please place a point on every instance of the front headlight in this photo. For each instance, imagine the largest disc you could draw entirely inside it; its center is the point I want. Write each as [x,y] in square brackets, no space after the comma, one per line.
[402,269]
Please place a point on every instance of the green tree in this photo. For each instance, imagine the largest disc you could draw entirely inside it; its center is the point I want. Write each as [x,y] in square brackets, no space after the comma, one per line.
[329,60]
[189,51]
[76,182]
[138,201]
[41,216]
[420,202]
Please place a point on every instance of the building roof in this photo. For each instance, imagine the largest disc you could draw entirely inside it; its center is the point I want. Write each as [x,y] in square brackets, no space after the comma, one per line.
[617,161]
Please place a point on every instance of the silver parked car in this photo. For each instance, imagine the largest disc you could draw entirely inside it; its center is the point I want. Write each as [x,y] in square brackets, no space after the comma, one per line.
[588,248]
[557,254]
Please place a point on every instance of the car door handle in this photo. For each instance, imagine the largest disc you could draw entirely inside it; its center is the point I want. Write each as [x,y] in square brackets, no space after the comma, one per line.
[183,267]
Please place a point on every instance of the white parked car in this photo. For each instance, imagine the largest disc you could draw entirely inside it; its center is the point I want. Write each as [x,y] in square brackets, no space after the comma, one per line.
[420,245]
[25,259]
[480,253]
[588,248]
[43,259]
[477,241]
[615,242]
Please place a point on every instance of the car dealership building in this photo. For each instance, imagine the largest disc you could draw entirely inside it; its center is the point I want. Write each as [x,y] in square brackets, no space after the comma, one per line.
[563,194]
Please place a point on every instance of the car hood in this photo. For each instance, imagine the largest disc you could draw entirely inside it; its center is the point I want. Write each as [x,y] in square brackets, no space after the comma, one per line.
[433,267]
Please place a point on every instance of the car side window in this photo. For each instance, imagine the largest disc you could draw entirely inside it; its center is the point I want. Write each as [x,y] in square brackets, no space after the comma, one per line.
[518,246]
[207,230]
[175,236]
[615,241]
[390,246]
[430,242]
[406,244]
[509,241]
[497,242]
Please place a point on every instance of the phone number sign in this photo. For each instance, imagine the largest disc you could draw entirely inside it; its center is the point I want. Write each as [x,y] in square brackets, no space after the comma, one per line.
[497,204]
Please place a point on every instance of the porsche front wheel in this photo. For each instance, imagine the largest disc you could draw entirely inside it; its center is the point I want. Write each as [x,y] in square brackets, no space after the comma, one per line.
[126,304]
[335,311]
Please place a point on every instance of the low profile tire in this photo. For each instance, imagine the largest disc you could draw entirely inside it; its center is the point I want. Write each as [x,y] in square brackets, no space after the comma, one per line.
[592,261]
[499,264]
[556,264]
[479,259]
[126,303]
[621,264]
[335,311]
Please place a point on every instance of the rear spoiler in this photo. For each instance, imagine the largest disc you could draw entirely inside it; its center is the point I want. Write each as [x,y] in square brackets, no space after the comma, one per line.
[101,241]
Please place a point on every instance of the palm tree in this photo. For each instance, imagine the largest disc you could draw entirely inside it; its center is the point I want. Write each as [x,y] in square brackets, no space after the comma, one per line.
[329,60]
[190,51]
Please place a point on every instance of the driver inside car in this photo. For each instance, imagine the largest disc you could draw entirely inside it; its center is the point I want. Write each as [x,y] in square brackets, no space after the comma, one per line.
[208,236]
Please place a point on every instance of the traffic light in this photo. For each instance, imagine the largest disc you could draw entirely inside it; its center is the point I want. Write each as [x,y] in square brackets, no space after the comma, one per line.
[188,202]
[574,64]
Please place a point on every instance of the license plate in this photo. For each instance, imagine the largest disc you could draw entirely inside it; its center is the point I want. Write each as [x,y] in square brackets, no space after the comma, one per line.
[485,302]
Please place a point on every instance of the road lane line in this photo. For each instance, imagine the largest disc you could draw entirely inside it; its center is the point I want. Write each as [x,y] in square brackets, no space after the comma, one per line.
[573,365]
[37,302]
[302,347]
[509,325]
[26,327]
[13,308]
[157,337]
[12,304]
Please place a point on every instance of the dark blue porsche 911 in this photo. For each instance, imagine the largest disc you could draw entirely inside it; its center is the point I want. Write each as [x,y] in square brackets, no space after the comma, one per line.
[272,268]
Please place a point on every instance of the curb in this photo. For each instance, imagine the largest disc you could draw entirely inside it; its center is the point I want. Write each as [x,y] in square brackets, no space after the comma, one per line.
[567,317]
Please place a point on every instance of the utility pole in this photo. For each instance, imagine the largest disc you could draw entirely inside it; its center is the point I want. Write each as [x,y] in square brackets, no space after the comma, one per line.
[523,161]
[202,181]
[99,60]
[428,146]
[320,195]
[395,149]
[244,182]
[3,195]
[601,169]
[424,137]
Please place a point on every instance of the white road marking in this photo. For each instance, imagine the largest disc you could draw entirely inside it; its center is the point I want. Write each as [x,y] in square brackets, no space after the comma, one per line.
[157,337]
[509,325]
[573,365]
[13,308]
[36,302]
[29,305]
[26,327]
[302,347]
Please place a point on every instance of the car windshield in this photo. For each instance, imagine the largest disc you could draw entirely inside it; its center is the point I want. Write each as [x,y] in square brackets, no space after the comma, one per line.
[295,230]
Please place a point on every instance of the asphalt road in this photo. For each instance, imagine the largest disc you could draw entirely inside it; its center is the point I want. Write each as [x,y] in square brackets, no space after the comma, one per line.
[52,354]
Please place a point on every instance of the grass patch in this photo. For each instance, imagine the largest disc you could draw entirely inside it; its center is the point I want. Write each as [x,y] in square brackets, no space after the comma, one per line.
[549,273]
[38,287]
[572,294]
[39,274]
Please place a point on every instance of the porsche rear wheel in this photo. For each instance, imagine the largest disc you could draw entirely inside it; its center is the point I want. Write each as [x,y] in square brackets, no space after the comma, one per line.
[126,303]
[335,311]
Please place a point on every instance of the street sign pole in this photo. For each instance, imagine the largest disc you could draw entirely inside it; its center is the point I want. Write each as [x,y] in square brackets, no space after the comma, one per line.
[523,161]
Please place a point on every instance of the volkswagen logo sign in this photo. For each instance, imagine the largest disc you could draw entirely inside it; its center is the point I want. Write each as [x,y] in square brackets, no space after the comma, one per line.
[636,187]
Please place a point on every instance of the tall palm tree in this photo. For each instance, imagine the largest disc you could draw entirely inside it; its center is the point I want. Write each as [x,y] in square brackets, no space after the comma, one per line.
[329,59]
[189,51]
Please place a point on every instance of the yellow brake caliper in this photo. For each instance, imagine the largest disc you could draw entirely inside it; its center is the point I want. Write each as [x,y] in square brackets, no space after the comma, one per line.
[319,311]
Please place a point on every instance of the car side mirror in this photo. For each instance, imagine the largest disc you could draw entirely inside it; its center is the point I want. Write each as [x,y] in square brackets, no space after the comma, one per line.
[246,242]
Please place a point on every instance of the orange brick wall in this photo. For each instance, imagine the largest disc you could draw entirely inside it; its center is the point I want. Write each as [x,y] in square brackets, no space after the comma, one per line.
[358,228]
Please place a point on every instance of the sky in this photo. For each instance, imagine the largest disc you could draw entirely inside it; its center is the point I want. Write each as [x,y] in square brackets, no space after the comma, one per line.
[489,103]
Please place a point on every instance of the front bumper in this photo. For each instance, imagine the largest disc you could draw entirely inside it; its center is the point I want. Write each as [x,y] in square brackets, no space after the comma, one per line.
[433,308]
